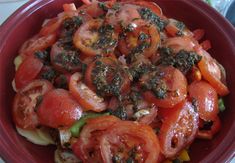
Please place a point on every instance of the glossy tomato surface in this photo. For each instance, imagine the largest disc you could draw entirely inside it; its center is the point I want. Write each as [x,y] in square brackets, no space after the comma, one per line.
[26,22]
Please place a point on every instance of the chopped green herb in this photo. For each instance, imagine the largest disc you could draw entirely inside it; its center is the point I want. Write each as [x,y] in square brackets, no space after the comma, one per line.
[183,60]
[221,105]
[120,112]
[50,74]
[143,36]
[147,14]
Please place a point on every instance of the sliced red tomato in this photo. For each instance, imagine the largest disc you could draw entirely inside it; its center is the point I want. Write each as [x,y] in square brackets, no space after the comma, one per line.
[26,102]
[94,38]
[211,72]
[179,128]
[127,140]
[147,34]
[59,109]
[27,71]
[206,45]
[198,34]
[37,43]
[86,148]
[206,99]
[151,5]
[208,134]
[180,43]
[109,75]
[175,84]
[51,26]
[102,138]
[92,9]
[173,29]
[69,7]
[120,19]
[88,99]
[65,60]
[149,118]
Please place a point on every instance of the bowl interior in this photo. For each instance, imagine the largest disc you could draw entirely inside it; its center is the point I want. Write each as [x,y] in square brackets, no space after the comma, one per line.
[195,14]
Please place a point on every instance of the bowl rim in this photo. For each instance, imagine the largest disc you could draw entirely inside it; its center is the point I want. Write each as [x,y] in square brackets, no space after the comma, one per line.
[227,144]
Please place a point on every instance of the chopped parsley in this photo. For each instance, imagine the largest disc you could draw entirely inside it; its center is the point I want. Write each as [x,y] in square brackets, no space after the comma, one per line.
[183,60]
[221,105]
[147,14]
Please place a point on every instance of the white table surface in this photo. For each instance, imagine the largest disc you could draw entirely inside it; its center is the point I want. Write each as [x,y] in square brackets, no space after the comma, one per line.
[6,9]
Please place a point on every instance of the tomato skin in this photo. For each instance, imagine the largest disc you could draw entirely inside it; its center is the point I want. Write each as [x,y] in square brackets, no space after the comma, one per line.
[151,5]
[88,34]
[180,43]
[37,43]
[27,71]
[88,99]
[198,34]
[206,98]
[131,134]
[179,128]
[114,64]
[211,72]
[65,60]
[175,81]
[87,142]
[131,40]
[59,109]
[99,133]
[25,103]
[208,134]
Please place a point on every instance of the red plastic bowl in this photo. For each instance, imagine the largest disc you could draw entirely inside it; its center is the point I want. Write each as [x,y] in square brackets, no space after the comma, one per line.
[26,21]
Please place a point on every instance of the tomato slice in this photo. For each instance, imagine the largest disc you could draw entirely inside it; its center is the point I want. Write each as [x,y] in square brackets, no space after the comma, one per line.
[37,43]
[179,128]
[206,99]
[151,5]
[103,137]
[180,43]
[59,109]
[86,147]
[146,36]
[103,73]
[127,140]
[65,60]
[198,34]
[69,7]
[211,72]
[174,28]
[27,71]
[171,81]
[26,101]
[51,26]
[88,99]
[120,19]
[94,38]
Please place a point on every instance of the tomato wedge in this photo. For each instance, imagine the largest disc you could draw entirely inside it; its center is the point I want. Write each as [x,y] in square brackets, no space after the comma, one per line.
[88,99]
[146,36]
[206,99]
[27,71]
[37,43]
[86,148]
[179,128]
[26,101]
[103,73]
[94,38]
[59,109]
[168,90]
[127,140]
[211,72]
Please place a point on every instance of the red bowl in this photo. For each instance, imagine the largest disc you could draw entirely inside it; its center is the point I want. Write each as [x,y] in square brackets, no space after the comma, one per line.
[26,21]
